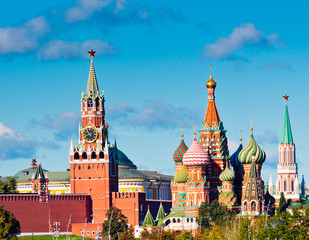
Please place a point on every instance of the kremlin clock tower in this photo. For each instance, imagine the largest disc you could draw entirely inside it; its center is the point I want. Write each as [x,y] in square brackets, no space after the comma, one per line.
[93,166]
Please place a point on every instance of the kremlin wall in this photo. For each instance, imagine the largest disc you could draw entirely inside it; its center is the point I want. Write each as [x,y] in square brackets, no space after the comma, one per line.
[101,176]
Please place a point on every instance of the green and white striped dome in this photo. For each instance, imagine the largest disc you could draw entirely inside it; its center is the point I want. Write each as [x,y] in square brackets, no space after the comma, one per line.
[227,175]
[251,149]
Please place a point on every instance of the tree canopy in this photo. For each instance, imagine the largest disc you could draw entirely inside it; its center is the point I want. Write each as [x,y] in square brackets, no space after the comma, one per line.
[8,186]
[9,226]
[115,224]
[213,214]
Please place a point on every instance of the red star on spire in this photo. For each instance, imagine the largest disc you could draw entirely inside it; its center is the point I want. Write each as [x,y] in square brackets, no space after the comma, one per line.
[91,53]
[286,97]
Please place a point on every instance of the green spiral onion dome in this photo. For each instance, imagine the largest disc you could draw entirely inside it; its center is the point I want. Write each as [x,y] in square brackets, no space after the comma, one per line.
[227,175]
[182,176]
[180,151]
[251,149]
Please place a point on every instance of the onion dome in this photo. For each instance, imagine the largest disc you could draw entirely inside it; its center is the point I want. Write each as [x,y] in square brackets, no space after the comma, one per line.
[195,155]
[211,83]
[182,175]
[227,175]
[252,149]
[180,151]
[234,158]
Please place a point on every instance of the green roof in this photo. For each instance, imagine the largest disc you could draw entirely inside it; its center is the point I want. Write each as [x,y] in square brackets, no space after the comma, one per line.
[92,84]
[286,136]
[176,214]
[161,213]
[148,221]
[58,176]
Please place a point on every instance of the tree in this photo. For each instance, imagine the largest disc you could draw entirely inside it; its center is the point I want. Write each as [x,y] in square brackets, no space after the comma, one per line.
[128,235]
[8,186]
[9,226]
[185,235]
[213,214]
[281,203]
[115,224]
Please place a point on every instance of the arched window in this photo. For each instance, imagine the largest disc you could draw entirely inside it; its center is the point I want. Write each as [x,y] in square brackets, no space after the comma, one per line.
[93,155]
[292,186]
[253,206]
[284,186]
[101,155]
[245,206]
[76,156]
[84,156]
[90,103]
[89,167]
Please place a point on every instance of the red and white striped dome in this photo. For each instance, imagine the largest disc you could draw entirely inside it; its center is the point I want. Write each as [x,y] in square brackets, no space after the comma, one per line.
[195,155]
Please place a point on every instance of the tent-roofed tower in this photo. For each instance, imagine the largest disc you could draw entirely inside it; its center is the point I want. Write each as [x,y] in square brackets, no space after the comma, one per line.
[287,172]
[252,202]
[213,140]
[93,166]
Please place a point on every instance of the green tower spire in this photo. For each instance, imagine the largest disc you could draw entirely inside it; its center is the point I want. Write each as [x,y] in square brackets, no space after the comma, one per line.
[286,136]
[148,221]
[92,84]
[161,213]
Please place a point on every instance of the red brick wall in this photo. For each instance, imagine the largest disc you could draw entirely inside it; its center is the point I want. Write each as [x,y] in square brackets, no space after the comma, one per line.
[90,229]
[132,205]
[35,216]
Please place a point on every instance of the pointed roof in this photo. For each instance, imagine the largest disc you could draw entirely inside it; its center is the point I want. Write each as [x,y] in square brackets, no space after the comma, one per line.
[39,173]
[92,84]
[148,221]
[212,118]
[286,136]
[161,213]
[253,172]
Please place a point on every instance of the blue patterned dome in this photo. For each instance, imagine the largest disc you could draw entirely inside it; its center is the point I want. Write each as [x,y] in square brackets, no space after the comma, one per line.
[234,158]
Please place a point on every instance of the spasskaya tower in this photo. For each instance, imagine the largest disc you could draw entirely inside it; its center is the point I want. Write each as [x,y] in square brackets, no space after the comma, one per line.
[93,167]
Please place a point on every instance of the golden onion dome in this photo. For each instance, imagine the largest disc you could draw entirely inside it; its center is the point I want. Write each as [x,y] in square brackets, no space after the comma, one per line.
[211,83]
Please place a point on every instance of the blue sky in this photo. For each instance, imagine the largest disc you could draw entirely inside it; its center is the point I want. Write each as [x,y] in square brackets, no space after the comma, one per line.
[152,62]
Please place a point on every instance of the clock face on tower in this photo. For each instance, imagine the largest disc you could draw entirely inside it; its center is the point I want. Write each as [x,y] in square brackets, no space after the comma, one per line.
[90,134]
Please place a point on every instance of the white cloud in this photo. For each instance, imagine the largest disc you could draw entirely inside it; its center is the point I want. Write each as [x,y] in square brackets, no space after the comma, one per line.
[245,35]
[63,125]
[23,38]
[85,8]
[56,49]
[152,115]
[14,145]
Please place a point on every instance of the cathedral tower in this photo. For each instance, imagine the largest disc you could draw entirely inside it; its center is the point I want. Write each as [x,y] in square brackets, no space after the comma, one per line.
[287,178]
[93,167]
[213,140]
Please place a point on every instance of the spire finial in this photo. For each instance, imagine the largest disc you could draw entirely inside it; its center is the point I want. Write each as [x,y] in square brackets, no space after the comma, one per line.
[210,66]
[181,126]
[251,126]
[240,140]
[226,162]
[194,129]
[91,53]
[286,98]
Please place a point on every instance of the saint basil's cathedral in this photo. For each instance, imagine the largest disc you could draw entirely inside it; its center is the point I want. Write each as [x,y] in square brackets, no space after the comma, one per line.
[204,172]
